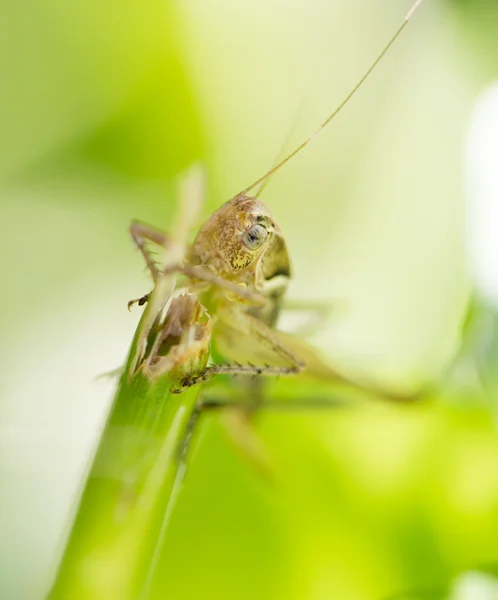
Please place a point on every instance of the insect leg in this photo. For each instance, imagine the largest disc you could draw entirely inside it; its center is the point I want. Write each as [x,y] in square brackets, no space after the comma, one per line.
[200,274]
[204,274]
[227,369]
[235,421]
[141,232]
[278,403]
[250,445]
[258,341]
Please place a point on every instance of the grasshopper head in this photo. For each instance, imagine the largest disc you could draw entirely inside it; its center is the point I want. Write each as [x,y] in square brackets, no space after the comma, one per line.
[242,239]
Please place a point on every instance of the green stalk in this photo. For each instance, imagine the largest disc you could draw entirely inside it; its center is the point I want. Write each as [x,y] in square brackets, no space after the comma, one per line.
[129,488]
[132,481]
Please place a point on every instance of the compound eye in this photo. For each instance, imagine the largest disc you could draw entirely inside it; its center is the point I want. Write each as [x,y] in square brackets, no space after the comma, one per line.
[255,237]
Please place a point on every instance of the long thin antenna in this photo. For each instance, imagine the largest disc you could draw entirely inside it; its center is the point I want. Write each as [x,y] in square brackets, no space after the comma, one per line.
[409,15]
[282,150]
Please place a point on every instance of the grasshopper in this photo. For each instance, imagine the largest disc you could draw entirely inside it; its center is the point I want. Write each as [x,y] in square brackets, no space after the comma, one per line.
[238,268]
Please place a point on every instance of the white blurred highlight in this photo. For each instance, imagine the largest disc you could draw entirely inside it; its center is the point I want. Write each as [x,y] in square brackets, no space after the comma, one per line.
[474,585]
[482,194]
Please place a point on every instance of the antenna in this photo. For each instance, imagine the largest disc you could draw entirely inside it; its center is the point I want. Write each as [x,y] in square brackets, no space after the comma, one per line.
[384,51]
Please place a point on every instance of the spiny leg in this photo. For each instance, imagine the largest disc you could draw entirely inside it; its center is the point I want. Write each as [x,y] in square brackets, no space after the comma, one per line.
[207,405]
[248,326]
[240,338]
[235,369]
[206,275]
[142,232]
[191,194]
[203,274]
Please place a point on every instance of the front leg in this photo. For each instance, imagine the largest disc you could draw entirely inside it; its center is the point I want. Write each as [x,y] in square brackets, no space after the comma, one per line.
[141,232]
[198,274]
[256,342]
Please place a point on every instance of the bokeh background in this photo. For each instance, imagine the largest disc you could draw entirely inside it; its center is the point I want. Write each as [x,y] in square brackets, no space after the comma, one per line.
[102,105]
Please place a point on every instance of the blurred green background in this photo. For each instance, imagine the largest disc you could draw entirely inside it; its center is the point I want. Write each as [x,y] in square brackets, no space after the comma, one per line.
[102,105]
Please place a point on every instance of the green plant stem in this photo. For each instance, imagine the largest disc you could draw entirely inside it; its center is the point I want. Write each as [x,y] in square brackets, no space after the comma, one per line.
[129,487]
